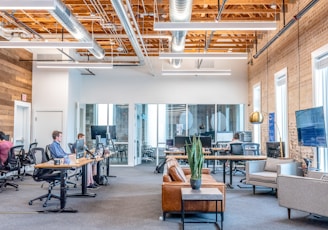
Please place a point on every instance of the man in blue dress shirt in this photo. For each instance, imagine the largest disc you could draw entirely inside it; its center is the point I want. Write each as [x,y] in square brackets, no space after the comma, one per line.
[55,149]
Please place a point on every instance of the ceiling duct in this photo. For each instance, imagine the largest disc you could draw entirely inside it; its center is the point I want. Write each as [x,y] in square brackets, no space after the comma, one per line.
[124,18]
[64,16]
[180,11]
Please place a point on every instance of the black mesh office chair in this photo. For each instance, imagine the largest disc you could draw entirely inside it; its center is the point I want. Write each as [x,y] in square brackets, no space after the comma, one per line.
[12,164]
[49,157]
[49,175]
[26,159]
[237,149]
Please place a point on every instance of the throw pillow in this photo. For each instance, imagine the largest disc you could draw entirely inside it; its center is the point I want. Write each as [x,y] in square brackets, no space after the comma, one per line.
[271,163]
[177,174]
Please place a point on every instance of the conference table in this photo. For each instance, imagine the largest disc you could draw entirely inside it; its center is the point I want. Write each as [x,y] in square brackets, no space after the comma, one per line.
[74,163]
[224,159]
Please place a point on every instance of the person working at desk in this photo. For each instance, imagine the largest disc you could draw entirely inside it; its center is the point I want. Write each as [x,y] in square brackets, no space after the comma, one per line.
[92,167]
[4,149]
[58,152]
[235,139]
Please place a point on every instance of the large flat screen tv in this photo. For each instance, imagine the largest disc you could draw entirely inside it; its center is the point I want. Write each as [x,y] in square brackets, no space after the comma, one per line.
[310,125]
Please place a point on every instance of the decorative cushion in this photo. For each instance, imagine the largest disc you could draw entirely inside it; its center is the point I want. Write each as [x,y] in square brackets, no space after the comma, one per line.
[177,174]
[271,163]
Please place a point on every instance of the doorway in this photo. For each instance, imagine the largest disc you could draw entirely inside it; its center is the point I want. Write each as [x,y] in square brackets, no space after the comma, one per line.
[22,124]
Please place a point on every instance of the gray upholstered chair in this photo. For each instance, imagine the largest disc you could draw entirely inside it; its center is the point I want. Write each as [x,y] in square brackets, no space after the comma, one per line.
[265,172]
[307,194]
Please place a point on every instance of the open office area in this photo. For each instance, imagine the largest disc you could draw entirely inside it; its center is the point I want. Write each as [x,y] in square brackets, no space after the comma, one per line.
[140,79]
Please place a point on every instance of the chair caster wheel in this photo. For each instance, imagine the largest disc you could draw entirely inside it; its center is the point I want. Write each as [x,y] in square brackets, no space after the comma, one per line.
[30,203]
[45,205]
[75,186]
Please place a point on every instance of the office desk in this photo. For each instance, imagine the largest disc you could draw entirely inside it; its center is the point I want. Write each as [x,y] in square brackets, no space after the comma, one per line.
[63,168]
[226,158]
[182,152]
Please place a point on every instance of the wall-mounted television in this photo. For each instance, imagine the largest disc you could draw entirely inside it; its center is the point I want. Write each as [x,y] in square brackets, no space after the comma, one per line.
[310,125]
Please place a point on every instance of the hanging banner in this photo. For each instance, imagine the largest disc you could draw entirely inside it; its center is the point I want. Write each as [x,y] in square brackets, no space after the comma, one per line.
[272,136]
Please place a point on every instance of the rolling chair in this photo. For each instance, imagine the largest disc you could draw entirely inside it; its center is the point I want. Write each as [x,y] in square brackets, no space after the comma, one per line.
[26,159]
[49,157]
[237,149]
[78,172]
[48,175]
[250,148]
[12,164]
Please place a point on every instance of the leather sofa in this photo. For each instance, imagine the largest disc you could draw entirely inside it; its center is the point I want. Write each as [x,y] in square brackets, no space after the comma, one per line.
[176,177]
[265,172]
[307,194]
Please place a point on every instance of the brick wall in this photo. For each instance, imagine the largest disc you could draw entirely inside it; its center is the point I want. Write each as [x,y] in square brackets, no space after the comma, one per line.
[292,50]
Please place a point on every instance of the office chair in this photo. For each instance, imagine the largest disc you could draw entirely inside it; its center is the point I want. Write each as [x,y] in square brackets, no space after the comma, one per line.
[49,157]
[78,172]
[49,175]
[237,149]
[12,164]
[250,148]
[71,147]
[26,159]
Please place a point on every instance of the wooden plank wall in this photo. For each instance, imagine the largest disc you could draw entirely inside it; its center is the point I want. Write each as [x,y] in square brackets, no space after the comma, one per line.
[15,80]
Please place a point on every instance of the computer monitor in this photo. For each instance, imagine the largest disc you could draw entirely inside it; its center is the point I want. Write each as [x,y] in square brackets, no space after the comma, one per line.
[180,141]
[98,130]
[206,141]
[79,148]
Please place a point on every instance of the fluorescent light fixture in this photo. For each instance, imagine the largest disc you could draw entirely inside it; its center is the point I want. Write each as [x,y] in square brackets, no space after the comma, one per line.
[196,72]
[75,65]
[27,4]
[178,26]
[203,56]
[40,45]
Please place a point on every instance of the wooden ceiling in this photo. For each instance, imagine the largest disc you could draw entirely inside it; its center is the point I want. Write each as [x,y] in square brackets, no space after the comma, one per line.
[102,22]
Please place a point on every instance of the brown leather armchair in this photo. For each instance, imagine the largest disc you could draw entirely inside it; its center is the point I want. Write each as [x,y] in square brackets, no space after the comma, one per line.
[171,190]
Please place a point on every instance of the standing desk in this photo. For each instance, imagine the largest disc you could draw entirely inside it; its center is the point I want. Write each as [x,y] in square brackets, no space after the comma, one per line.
[63,168]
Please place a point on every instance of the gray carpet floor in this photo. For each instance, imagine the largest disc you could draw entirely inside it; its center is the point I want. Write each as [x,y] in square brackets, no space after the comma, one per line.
[132,200]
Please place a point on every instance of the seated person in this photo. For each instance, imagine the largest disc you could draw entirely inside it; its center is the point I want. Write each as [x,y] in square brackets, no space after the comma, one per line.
[4,149]
[92,167]
[58,152]
[235,139]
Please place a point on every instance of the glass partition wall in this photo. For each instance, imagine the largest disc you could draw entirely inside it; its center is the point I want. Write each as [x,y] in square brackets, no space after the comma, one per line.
[113,119]
[156,126]
[163,122]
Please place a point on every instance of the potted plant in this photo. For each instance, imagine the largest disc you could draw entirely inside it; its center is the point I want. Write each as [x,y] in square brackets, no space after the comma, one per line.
[195,154]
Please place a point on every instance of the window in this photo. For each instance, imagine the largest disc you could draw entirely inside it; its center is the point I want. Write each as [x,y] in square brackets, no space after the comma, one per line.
[281,107]
[320,94]
[257,107]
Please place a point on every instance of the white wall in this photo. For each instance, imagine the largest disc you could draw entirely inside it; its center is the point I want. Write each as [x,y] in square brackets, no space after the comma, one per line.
[62,89]
[137,85]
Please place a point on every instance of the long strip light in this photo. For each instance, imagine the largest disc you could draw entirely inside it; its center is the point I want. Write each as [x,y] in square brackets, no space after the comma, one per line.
[73,45]
[203,56]
[177,26]
[196,72]
[27,4]
[75,65]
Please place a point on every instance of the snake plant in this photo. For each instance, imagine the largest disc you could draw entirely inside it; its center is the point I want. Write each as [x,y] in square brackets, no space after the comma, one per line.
[195,157]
